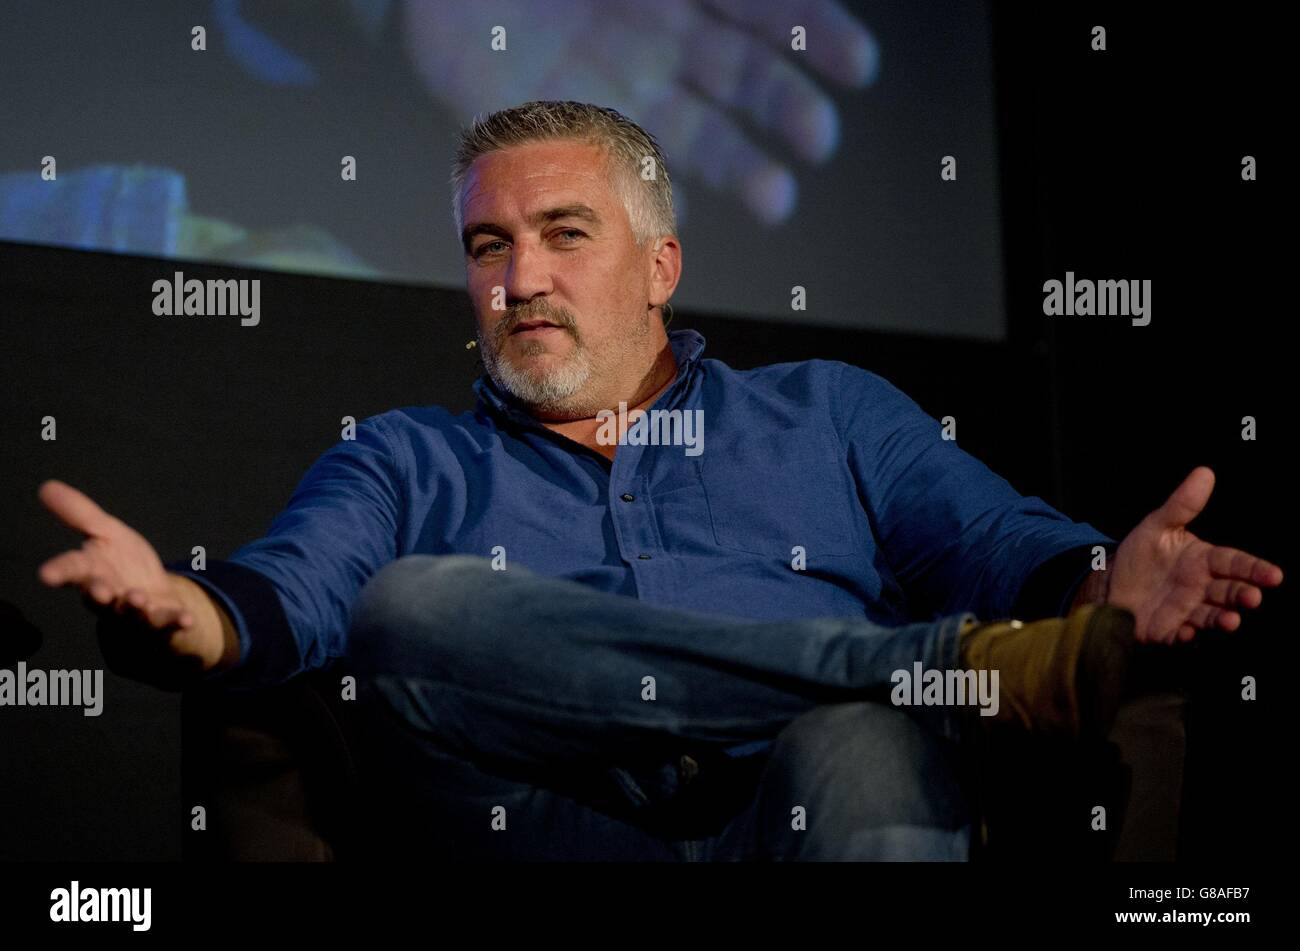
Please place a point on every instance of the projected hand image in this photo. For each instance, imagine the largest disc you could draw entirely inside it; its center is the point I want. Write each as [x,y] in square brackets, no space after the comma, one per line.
[730,103]
[745,97]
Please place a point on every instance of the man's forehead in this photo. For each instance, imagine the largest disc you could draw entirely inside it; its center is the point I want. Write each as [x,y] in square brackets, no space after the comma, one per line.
[529,179]
[540,208]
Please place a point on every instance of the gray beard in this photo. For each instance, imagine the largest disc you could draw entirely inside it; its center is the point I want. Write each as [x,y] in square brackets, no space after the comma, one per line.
[551,392]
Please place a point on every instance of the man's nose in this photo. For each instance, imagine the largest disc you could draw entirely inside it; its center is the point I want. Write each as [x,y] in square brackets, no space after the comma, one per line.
[527,274]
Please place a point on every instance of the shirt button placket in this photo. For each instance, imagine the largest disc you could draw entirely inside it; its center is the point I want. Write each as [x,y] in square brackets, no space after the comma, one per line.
[634,517]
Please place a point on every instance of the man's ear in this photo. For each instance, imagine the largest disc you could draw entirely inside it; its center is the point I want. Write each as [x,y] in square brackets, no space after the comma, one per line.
[660,244]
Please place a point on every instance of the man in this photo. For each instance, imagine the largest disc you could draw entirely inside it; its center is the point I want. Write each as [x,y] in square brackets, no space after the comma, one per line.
[578,640]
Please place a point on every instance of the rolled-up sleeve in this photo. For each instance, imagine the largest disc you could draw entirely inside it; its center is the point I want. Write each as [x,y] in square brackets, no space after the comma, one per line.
[957,536]
[290,593]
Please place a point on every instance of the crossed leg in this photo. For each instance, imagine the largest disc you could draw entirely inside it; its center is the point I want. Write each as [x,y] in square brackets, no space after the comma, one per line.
[517,716]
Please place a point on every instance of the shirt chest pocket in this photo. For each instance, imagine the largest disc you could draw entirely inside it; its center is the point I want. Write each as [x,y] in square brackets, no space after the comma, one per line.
[768,493]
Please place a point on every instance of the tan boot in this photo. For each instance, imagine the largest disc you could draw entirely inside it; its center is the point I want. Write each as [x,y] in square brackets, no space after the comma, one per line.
[1059,676]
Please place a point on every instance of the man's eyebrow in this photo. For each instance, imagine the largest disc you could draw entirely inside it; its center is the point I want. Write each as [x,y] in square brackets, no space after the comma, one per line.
[573,210]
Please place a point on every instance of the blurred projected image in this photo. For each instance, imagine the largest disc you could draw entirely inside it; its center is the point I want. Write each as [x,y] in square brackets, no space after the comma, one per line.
[804,141]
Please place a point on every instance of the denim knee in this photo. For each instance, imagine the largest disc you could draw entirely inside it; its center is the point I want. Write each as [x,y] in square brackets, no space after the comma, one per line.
[864,780]
[414,605]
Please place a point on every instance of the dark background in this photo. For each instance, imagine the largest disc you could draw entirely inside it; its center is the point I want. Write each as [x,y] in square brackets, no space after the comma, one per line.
[1122,164]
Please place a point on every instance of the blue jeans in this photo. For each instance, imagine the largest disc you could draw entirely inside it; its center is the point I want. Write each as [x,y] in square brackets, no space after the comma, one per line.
[507,715]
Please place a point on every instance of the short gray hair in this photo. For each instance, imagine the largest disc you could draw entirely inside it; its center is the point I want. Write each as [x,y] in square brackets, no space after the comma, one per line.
[649,202]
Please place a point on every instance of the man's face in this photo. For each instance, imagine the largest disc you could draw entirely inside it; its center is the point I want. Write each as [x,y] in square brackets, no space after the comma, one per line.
[559,287]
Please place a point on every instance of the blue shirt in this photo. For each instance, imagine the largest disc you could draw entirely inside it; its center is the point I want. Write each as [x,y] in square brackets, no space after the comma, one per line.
[818,461]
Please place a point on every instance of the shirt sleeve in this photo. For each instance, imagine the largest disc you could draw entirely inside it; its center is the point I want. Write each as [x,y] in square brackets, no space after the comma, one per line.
[1052,586]
[956,535]
[290,593]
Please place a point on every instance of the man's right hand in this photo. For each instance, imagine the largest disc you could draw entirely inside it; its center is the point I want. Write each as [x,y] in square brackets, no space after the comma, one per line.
[155,626]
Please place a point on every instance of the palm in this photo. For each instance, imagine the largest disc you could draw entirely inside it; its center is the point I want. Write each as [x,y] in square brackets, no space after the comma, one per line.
[1175,583]
[115,568]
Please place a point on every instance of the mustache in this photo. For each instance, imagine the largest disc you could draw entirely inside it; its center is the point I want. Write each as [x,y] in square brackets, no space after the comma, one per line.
[516,316]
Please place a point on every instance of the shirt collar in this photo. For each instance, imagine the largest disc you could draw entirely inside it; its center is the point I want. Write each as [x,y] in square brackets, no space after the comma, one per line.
[687,344]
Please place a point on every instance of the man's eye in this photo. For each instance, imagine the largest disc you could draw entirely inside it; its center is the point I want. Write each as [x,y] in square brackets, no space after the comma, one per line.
[483,247]
[571,231]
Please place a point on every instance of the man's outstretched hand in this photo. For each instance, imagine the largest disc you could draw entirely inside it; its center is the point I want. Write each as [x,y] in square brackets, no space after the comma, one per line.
[159,627]
[1176,584]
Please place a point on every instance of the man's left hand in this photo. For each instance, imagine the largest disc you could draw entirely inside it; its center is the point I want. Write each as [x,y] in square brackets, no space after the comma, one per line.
[1176,584]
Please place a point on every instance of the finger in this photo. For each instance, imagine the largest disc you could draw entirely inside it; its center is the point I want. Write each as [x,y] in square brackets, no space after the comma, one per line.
[132,602]
[73,508]
[99,590]
[700,140]
[839,46]
[1186,632]
[1227,562]
[163,614]
[1208,616]
[771,92]
[731,67]
[1187,501]
[70,568]
[1231,593]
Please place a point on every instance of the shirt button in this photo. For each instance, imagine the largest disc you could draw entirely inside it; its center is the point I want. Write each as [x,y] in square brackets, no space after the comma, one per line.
[628,497]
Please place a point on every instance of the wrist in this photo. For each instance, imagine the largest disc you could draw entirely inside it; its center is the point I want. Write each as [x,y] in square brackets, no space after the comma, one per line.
[1095,589]
[216,640]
